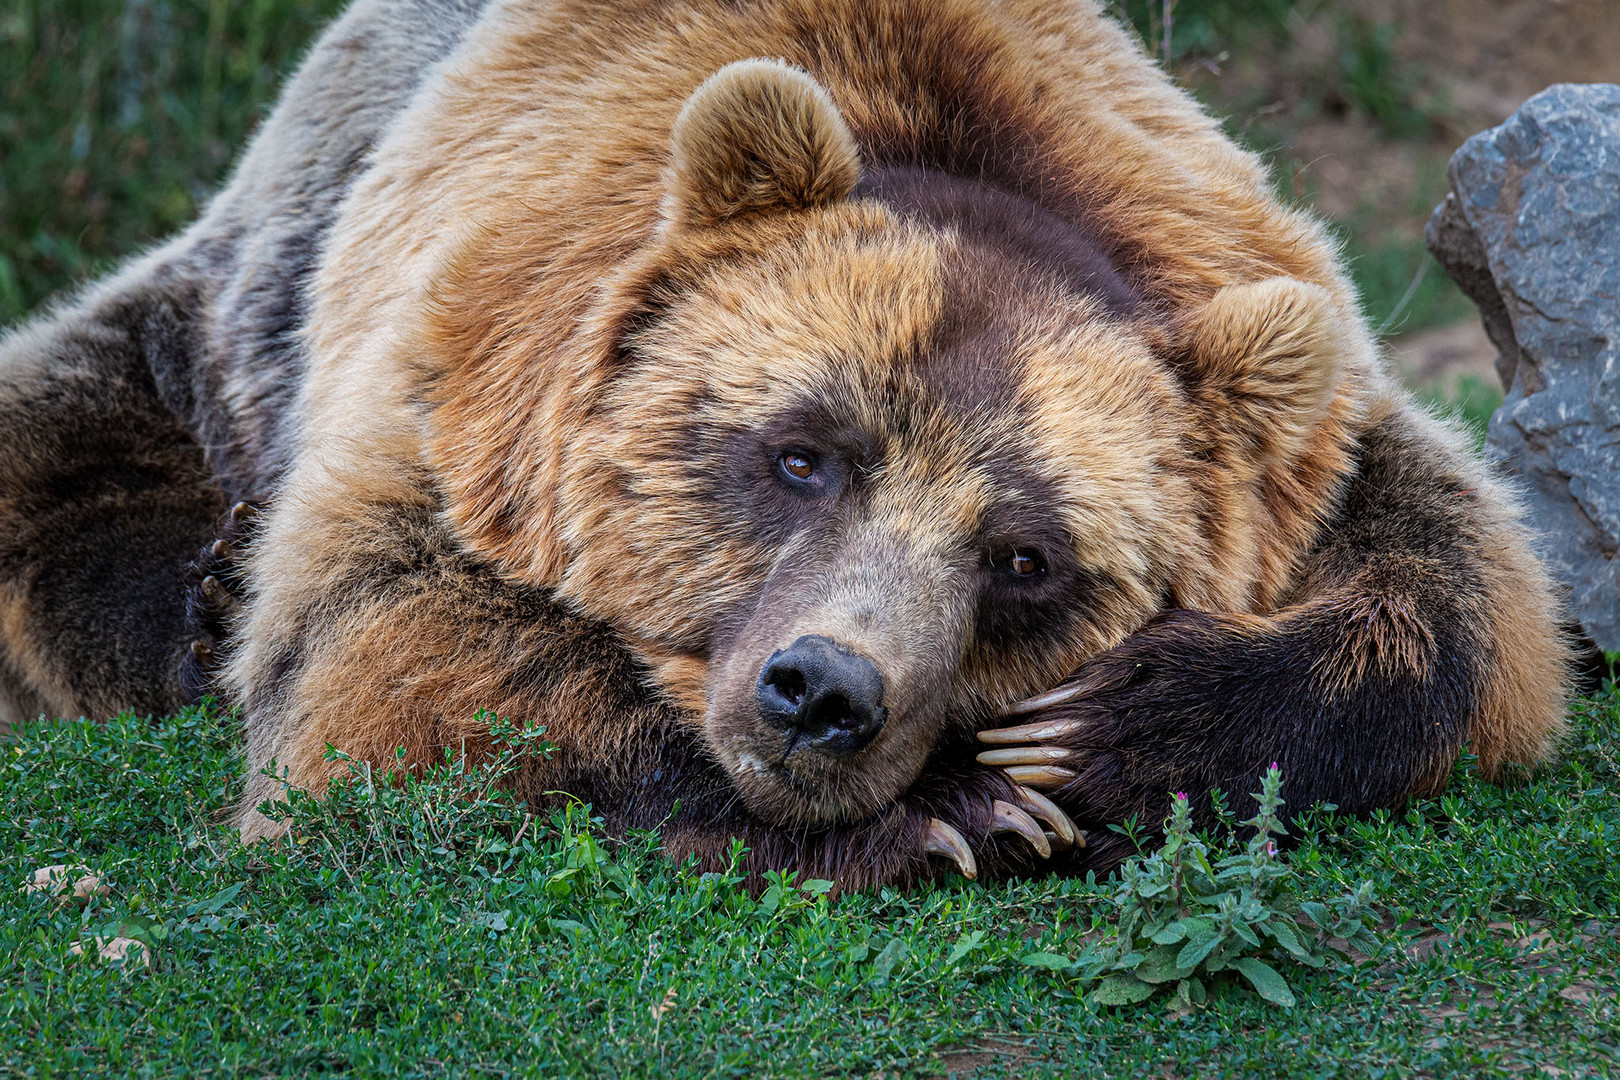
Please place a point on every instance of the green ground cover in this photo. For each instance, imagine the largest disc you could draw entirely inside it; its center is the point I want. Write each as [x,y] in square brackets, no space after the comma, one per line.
[440,930]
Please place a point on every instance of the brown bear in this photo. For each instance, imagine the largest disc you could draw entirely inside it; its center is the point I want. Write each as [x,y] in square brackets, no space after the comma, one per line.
[875,429]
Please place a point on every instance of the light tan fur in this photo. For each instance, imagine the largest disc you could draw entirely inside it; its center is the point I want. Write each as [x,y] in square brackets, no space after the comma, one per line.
[1522,710]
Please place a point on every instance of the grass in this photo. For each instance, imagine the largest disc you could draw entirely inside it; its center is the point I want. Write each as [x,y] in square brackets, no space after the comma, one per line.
[438,930]
[117,119]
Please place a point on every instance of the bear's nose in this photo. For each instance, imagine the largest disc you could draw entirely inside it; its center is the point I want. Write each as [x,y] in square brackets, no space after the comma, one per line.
[831,697]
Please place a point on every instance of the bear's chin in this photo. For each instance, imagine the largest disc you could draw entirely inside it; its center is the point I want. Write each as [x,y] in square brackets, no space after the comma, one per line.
[807,790]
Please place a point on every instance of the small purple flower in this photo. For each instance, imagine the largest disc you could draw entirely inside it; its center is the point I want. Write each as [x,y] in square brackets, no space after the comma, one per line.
[1273,766]
[1181,796]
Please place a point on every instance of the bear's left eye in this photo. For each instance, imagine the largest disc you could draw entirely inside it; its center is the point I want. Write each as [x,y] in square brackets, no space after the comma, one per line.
[797,465]
[1025,563]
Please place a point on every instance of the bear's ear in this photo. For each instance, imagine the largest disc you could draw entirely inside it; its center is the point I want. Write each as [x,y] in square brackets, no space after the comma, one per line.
[1264,360]
[757,136]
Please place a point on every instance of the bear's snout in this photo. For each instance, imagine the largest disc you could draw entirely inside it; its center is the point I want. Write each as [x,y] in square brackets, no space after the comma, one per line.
[824,697]
[826,704]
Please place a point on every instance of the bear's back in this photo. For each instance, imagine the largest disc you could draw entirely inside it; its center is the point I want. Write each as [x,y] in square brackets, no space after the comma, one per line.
[251,256]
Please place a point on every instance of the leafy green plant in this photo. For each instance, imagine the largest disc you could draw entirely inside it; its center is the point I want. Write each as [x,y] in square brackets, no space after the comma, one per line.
[401,819]
[1184,920]
[208,916]
[1373,81]
[784,896]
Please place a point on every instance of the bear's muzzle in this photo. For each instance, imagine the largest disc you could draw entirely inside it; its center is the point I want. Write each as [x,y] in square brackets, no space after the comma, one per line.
[822,697]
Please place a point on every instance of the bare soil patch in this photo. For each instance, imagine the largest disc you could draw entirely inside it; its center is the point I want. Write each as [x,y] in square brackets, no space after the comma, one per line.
[1378,165]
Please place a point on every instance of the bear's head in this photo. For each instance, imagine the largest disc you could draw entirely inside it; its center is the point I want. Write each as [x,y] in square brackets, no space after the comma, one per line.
[865,455]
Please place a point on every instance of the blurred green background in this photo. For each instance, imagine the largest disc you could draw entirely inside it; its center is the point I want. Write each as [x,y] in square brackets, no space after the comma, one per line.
[118,119]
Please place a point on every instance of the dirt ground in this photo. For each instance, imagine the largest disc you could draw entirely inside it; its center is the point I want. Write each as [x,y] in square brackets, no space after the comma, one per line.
[1443,356]
[1465,65]
[1492,54]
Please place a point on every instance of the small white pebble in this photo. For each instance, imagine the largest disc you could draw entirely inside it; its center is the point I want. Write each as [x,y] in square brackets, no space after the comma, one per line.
[122,949]
[66,883]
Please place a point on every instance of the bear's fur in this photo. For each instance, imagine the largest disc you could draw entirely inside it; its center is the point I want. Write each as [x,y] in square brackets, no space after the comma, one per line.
[134,414]
[590,358]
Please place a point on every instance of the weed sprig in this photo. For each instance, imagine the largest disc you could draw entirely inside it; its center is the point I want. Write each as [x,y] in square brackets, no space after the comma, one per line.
[1184,921]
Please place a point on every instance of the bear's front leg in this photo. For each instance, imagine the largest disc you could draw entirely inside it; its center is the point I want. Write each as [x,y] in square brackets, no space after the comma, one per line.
[1420,621]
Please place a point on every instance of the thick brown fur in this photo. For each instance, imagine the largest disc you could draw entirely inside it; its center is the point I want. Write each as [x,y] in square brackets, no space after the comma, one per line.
[1010,292]
[133,414]
[104,497]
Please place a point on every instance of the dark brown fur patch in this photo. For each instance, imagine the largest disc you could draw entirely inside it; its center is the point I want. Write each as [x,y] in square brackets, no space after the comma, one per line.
[103,499]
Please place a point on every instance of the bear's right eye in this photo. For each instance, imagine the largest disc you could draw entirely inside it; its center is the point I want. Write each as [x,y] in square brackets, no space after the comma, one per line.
[1020,562]
[797,465]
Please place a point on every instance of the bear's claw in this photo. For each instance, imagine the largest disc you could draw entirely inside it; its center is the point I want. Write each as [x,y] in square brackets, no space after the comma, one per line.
[1005,817]
[1062,695]
[1038,732]
[1019,755]
[1040,777]
[218,596]
[944,840]
[214,601]
[1065,833]
[1024,813]
[1024,755]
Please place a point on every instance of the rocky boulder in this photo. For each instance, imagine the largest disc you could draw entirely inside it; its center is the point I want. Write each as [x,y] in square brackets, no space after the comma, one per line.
[1531,232]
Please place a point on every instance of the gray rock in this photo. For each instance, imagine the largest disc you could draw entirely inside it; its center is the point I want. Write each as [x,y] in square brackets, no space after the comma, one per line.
[1531,231]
